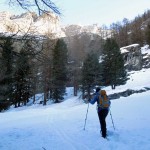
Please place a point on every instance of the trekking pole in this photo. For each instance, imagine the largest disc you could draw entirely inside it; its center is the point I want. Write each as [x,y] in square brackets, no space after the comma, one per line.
[112,120]
[86,117]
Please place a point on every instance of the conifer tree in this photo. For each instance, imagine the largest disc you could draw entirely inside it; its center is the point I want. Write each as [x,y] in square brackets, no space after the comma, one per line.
[91,72]
[59,70]
[6,67]
[114,72]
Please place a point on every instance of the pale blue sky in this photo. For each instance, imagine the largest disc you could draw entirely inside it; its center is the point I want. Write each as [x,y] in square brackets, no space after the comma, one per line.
[87,12]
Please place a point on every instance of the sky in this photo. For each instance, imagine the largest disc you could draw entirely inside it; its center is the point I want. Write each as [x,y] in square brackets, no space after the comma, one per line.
[87,12]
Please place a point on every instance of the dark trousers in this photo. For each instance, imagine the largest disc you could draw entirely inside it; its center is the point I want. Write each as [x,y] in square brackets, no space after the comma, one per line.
[102,114]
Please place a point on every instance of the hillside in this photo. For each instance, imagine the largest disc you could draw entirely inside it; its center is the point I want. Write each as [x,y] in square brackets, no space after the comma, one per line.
[137,80]
[60,126]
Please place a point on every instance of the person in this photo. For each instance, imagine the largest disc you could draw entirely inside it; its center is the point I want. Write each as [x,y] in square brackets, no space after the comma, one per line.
[102,112]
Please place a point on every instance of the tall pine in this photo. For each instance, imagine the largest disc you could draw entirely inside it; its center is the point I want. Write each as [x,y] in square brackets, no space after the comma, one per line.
[6,67]
[59,71]
[91,73]
[114,72]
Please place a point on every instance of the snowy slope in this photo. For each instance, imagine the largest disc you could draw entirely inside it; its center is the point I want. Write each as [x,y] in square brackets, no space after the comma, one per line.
[137,80]
[60,126]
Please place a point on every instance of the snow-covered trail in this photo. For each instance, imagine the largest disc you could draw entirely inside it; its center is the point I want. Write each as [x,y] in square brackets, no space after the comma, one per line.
[60,126]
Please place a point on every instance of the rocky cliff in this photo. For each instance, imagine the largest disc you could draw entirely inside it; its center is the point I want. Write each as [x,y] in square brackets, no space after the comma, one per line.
[47,23]
[132,57]
[84,39]
[136,57]
[146,56]
[31,23]
[72,30]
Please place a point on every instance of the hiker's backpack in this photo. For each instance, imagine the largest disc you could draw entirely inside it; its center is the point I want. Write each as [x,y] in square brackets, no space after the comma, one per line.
[104,102]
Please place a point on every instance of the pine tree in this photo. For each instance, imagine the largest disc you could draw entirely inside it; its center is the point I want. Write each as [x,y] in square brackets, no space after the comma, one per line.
[6,67]
[91,72]
[114,72]
[59,71]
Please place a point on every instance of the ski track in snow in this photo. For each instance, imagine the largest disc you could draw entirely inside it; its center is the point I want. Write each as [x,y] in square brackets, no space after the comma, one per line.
[67,141]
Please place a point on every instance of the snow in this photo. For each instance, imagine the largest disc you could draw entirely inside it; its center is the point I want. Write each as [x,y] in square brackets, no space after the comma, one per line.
[137,80]
[25,23]
[60,126]
[145,50]
[124,49]
[132,45]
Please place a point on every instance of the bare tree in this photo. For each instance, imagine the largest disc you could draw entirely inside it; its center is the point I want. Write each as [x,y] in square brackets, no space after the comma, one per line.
[42,5]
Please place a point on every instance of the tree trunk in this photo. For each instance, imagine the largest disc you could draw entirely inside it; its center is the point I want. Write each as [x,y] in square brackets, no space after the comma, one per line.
[75,88]
[113,86]
[44,98]
[33,98]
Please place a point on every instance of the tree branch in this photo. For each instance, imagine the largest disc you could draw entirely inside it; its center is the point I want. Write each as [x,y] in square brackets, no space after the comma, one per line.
[42,5]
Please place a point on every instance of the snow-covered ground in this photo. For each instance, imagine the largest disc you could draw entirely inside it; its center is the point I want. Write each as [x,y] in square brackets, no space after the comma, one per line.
[137,80]
[145,50]
[60,126]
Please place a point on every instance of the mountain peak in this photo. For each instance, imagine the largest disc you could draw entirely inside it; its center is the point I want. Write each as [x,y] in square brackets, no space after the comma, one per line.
[30,23]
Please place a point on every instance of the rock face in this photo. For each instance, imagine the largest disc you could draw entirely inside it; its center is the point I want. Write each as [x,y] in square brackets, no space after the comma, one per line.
[84,39]
[146,56]
[132,57]
[72,30]
[31,23]
[127,93]
[81,44]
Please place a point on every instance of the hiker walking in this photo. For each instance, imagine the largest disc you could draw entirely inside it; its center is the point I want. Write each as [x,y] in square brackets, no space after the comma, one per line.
[102,108]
